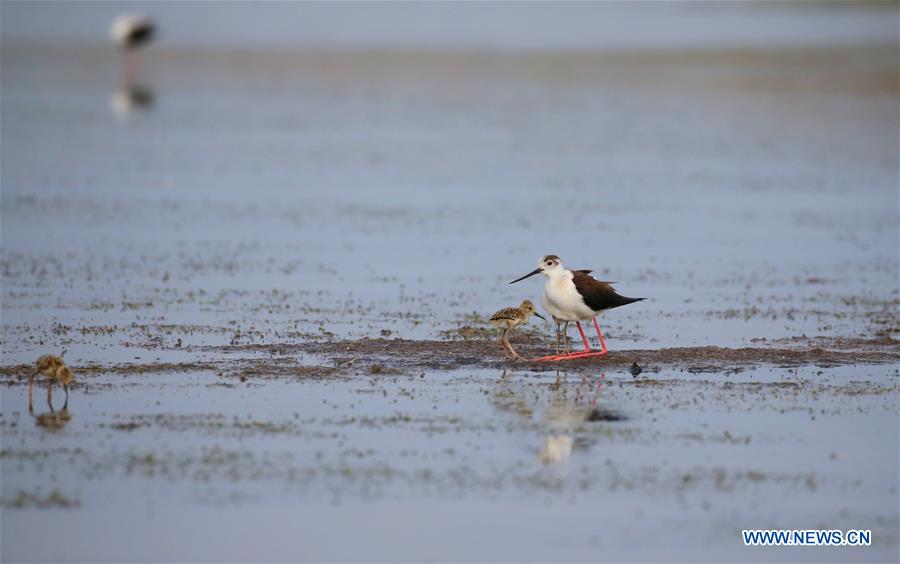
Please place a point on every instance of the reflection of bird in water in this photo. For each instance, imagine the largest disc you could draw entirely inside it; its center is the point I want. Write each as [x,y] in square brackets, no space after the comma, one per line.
[55,370]
[128,100]
[130,32]
[566,413]
[556,449]
[508,319]
[567,416]
[53,420]
[521,402]
[587,381]
[564,410]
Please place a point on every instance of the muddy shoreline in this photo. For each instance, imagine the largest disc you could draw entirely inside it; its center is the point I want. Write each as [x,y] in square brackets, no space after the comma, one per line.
[398,356]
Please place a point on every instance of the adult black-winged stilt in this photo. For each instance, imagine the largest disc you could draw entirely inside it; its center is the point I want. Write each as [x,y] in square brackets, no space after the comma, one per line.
[574,295]
[130,32]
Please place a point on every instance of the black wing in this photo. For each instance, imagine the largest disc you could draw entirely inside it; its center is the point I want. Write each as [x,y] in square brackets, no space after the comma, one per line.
[599,295]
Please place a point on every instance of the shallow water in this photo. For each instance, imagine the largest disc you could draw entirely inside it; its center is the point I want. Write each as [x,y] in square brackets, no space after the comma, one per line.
[277,195]
[447,465]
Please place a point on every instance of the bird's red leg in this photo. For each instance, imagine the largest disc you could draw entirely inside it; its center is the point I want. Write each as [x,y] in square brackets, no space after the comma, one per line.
[587,346]
[136,71]
[600,336]
[586,353]
[130,68]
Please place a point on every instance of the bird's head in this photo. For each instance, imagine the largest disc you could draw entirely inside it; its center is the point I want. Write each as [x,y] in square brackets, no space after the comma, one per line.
[547,265]
[49,363]
[529,308]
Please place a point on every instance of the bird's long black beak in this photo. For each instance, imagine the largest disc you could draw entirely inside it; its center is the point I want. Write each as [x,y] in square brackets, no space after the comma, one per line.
[541,316]
[532,273]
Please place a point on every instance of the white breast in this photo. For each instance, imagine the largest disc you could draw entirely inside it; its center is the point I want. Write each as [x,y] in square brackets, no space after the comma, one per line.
[562,300]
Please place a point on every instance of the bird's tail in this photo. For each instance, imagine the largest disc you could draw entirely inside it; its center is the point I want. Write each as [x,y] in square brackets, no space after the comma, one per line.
[624,300]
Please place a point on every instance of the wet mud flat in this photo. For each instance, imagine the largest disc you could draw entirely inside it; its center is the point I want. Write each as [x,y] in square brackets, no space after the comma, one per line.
[326,359]
[400,354]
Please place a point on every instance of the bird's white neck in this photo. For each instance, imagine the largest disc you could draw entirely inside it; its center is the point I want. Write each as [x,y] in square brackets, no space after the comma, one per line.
[558,274]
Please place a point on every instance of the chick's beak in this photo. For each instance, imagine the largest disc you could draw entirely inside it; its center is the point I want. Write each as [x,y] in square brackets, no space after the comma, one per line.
[541,316]
[532,273]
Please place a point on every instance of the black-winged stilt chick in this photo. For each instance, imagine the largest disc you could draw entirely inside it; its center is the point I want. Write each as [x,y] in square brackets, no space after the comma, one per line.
[574,295]
[63,377]
[46,365]
[131,32]
[508,319]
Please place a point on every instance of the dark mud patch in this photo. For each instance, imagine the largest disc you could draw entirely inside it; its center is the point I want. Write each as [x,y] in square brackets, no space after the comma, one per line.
[54,500]
[278,368]
[25,370]
[602,414]
[881,343]
[243,370]
[207,423]
[414,354]
[375,357]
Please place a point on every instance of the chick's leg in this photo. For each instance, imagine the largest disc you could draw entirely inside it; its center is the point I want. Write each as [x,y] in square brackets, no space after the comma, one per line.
[511,349]
[30,386]
[503,342]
